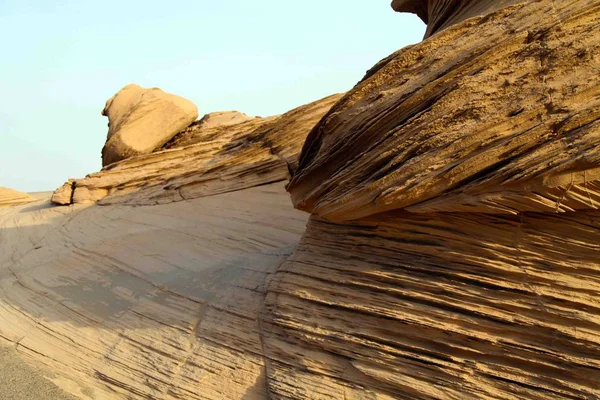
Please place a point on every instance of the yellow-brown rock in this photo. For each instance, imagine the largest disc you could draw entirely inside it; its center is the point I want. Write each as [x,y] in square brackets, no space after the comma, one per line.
[440,14]
[143,120]
[473,119]
[10,197]
[145,302]
[453,249]
[438,306]
[203,161]
[63,196]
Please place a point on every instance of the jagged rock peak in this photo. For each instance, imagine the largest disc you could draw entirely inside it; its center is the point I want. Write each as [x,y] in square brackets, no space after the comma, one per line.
[143,120]
[440,14]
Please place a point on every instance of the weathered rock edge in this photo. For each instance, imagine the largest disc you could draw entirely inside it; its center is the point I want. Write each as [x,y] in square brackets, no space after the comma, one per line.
[498,114]
[453,248]
[203,161]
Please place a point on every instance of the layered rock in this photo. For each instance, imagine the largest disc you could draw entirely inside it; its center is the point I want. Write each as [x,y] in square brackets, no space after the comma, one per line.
[158,302]
[214,125]
[146,302]
[473,119]
[142,120]
[453,249]
[441,14]
[438,306]
[204,160]
[10,197]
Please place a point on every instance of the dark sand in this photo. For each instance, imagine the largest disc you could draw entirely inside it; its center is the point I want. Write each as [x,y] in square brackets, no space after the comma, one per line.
[19,381]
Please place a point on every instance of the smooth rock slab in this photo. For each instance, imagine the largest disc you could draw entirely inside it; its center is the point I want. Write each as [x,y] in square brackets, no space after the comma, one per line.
[146,302]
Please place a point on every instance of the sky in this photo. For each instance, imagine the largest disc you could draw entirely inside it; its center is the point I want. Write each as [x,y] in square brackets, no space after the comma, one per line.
[62,59]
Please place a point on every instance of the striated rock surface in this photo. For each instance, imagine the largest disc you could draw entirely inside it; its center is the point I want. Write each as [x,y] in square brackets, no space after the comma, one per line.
[142,120]
[453,249]
[441,14]
[146,302]
[158,302]
[10,197]
[472,119]
[438,306]
[203,161]
[210,129]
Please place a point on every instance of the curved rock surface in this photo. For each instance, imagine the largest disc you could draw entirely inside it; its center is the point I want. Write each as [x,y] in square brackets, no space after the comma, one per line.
[453,249]
[143,120]
[452,252]
[438,306]
[441,14]
[472,119]
[146,302]
[203,161]
[10,197]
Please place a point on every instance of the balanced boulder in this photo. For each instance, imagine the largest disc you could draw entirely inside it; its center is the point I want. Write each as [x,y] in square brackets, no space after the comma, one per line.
[142,120]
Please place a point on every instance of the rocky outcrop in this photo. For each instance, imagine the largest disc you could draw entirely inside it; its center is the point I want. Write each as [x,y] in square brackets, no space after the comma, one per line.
[10,197]
[205,160]
[438,306]
[469,120]
[142,120]
[453,248]
[209,128]
[64,195]
[441,14]
[158,302]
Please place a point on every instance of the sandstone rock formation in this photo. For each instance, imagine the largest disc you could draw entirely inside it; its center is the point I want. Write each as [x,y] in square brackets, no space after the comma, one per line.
[453,249]
[142,120]
[204,161]
[146,302]
[224,118]
[468,120]
[440,14]
[10,197]
[64,195]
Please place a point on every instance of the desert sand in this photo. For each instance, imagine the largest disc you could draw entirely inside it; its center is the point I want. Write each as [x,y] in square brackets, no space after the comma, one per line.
[21,381]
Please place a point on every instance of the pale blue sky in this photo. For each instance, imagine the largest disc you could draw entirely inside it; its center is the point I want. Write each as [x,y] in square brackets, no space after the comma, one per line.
[62,59]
